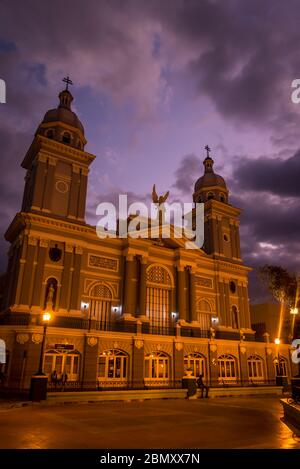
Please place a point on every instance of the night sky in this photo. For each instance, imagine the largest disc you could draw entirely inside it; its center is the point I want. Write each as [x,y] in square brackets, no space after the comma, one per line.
[154,82]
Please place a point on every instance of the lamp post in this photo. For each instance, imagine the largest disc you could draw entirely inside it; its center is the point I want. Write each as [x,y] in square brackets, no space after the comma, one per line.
[38,387]
[46,319]
[278,376]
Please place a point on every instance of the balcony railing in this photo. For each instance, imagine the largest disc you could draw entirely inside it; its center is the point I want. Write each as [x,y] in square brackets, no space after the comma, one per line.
[123,326]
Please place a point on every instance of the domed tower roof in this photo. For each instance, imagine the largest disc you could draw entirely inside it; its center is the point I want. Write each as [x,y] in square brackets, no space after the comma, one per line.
[210,185]
[62,124]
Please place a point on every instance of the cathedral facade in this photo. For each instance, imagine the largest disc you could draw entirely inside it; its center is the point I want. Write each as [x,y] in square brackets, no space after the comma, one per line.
[124,313]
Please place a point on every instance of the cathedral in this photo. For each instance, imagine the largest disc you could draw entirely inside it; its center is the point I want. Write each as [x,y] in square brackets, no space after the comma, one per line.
[120,313]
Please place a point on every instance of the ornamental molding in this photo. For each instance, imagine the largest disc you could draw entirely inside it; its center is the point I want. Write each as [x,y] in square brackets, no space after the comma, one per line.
[37,338]
[179,346]
[92,341]
[103,262]
[22,338]
[269,351]
[213,347]
[138,343]
[78,249]
[243,350]
[204,282]
[44,243]
[32,241]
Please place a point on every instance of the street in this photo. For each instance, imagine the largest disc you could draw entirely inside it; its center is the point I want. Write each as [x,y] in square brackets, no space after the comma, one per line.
[242,422]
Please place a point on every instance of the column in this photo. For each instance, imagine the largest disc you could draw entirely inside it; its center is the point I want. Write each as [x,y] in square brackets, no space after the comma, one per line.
[82,194]
[90,362]
[66,278]
[74,189]
[214,234]
[241,307]
[28,270]
[192,292]
[39,182]
[181,293]
[39,273]
[75,292]
[237,239]
[221,308]
[138,360]
[270,365]
[243,363]
[130,287]
[49,183]
[213,364]
[227,305]
[246,307]
[142,286]
[178,358]
[220,235]
[233,240]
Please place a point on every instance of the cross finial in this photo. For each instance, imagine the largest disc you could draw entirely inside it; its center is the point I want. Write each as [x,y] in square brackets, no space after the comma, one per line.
[207,150]
[68,82]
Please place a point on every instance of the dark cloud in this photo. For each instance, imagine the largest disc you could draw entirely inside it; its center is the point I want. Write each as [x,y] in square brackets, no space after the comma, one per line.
[273,175]
[186,173]
[239,56]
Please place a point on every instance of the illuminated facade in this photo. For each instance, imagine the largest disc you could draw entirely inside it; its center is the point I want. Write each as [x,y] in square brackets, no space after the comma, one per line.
[125,312]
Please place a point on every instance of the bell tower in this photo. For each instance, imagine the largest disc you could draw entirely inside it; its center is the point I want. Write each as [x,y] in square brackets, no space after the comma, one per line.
[221,228]
[57,165]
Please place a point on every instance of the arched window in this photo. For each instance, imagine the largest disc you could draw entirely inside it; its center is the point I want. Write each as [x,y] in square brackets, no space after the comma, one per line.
[234,317]
[157,366]
[66,138]
[159,286]
[281,368]
[227,368]
[113,365]
[100,304]
[255,368]
[204,314]
[210,196]
[196,362]
[62,362]
[222,198]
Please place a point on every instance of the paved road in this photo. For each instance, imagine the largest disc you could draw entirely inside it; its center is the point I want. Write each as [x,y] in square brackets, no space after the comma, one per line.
[242,422]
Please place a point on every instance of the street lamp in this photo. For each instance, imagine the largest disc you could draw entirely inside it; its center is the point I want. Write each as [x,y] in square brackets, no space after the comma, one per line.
[278,373]
[46,319]
[38,386]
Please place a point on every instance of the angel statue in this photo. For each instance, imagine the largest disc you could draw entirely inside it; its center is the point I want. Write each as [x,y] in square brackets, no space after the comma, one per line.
[160,200]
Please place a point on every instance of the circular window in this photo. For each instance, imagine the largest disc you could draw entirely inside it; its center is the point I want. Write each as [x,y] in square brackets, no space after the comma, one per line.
[61,186]
[232,286]
[55,254]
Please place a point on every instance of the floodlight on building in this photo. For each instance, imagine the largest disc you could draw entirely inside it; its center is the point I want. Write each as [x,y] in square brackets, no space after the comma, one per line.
[277,341]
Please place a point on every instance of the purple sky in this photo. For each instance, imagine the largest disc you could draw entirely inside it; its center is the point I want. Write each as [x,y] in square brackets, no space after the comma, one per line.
[154,82]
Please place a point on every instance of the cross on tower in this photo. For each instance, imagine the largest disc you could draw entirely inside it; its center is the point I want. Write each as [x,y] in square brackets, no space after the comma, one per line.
[207,150]
[68,82]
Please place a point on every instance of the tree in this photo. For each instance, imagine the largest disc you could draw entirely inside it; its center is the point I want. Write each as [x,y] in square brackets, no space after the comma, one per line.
[281,283]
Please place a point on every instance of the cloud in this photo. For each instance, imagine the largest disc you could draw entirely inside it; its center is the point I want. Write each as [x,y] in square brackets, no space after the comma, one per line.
[185,174]
[275,175]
